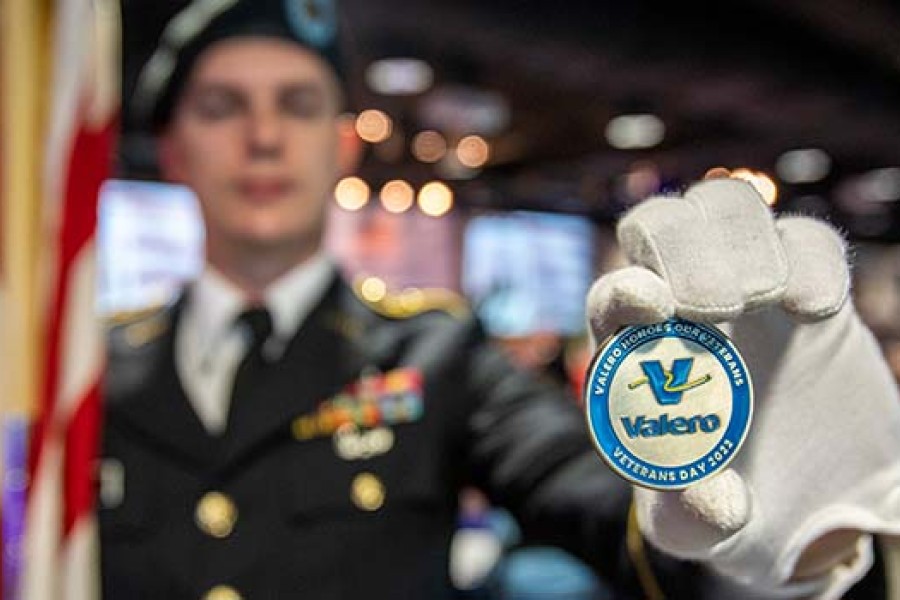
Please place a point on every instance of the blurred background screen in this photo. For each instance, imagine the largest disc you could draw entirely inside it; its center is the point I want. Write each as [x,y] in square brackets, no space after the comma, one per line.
[150,241]
[527,272]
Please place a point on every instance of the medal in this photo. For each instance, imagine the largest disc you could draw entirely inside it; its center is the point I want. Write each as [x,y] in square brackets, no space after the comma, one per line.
[668,404]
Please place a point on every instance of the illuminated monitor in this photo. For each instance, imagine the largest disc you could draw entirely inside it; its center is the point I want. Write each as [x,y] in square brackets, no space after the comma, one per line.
[527,272]
[149,242]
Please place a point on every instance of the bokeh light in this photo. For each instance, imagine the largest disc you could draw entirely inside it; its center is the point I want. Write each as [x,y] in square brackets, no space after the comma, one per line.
[351,193]
[429,146]
[805,165]
[397,196]
[472,151]
[631,132]
[435,199]
[373,289]
[761,182]
[399,76]
[373,126]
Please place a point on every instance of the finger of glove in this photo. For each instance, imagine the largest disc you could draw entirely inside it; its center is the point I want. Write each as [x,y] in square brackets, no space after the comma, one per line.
[819,278]
[690,523]
[722,501]
[747,236]
[629,296]
[717,248]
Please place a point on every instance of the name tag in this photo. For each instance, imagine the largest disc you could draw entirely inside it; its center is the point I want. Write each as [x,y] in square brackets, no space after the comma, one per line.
[351,443]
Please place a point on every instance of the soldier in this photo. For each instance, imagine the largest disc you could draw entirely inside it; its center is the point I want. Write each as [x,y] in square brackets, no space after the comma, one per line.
[271,435]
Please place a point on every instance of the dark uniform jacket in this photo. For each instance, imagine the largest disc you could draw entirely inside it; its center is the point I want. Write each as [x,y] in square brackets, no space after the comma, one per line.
[342,481]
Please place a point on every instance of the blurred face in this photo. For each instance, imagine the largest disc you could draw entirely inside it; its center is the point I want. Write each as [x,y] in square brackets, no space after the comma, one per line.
[257,135]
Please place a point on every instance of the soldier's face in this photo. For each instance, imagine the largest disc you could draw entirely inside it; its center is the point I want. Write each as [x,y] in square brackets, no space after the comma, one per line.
[258,136]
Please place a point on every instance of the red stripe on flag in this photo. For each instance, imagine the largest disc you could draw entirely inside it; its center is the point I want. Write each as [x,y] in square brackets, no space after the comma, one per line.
[88,168]
[81,448]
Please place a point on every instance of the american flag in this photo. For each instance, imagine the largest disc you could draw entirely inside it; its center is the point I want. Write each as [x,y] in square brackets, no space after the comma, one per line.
[60,539]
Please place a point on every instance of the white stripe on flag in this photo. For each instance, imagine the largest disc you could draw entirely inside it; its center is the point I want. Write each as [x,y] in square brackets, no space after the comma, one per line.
[81,362]
[81,559]
[43,527]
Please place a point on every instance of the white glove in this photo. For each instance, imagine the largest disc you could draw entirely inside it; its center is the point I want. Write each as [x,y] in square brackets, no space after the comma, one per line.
[823,452]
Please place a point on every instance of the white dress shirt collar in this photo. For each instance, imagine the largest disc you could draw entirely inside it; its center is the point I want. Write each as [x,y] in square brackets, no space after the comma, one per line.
[208,347]
[293,296]
[214,303]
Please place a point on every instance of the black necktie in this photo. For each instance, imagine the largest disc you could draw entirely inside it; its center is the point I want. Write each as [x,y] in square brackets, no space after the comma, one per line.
[258,323]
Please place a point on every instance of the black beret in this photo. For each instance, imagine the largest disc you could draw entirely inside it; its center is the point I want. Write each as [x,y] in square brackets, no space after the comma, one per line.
[312,24]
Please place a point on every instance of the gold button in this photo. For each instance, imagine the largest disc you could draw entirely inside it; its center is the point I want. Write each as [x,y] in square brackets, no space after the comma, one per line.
[222,592]
[216,515]
[367,492]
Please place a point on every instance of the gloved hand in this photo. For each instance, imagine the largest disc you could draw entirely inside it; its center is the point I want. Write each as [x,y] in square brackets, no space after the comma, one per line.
[823,452]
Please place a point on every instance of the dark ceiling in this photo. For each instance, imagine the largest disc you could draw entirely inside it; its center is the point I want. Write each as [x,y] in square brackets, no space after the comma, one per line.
[736,84]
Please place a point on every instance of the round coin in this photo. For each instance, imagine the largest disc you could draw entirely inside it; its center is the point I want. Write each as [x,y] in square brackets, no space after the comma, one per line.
[668,404]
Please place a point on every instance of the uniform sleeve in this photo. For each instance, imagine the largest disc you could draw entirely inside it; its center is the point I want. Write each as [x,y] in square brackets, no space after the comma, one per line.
[530,452]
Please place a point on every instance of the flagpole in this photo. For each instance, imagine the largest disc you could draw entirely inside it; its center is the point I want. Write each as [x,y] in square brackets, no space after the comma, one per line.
[24,56]
[23,68]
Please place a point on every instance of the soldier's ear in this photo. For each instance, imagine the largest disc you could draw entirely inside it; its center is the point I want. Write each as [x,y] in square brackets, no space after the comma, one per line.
[349,145]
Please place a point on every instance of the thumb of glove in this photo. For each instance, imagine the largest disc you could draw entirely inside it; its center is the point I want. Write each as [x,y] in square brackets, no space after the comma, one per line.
[690,523]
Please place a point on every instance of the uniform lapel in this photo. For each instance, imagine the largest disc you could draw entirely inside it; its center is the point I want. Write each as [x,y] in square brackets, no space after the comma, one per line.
[318,362]
[156,406]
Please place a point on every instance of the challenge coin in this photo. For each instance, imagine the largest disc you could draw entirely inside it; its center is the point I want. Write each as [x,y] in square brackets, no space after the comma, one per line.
[668,404]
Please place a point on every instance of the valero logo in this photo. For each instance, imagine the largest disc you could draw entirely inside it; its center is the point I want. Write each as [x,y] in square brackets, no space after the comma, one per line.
[668,386]
[668,404]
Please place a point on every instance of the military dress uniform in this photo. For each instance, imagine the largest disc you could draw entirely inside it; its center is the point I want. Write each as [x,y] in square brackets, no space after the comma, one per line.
[341,480]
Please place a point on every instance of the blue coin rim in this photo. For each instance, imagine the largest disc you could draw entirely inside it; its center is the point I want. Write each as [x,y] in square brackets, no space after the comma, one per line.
[604,436]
